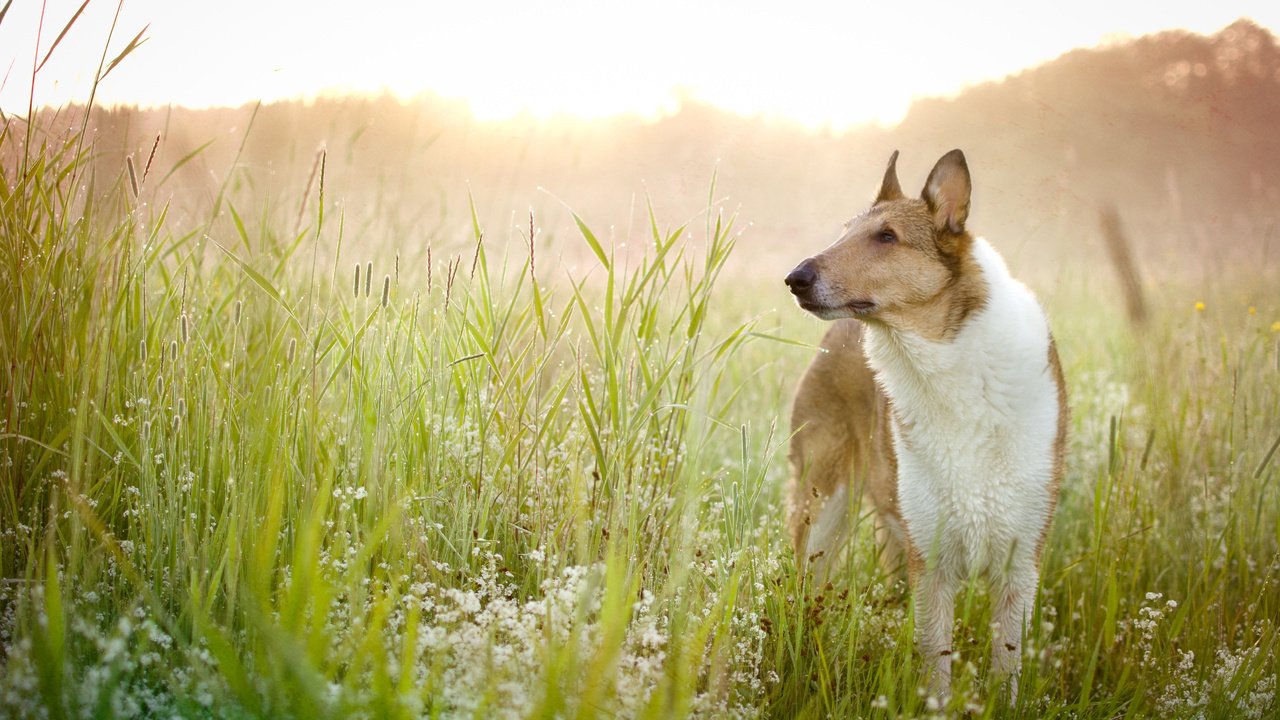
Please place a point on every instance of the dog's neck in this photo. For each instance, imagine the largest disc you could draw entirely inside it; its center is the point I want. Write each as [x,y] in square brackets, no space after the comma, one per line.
[980,329]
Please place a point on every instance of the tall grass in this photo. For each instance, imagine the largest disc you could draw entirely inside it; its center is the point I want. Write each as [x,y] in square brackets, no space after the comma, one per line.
[320,501]
[240,482]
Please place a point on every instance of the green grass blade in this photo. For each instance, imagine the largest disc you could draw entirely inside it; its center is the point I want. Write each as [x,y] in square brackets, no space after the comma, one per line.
[134,44]
[592,242]
[65,29]
[262,282]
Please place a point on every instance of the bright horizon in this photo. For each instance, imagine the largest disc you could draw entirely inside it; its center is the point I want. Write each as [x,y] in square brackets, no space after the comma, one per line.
[815,64]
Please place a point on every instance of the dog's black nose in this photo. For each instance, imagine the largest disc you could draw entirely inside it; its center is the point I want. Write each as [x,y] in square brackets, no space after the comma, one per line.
[802,278]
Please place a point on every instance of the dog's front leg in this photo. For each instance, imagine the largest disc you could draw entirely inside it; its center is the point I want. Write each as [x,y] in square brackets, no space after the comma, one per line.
[934,597]
[1014,592]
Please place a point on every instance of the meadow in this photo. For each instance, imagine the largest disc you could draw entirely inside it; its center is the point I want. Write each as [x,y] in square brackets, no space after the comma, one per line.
[250,471]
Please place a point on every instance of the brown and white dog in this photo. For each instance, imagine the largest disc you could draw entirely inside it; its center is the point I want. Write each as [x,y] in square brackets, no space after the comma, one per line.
[939,397]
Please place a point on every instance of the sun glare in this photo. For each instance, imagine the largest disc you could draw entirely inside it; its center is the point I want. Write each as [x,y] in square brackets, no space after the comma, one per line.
[812,62]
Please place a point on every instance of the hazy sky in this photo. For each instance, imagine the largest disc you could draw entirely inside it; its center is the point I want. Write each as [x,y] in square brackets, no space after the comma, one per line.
[839,62]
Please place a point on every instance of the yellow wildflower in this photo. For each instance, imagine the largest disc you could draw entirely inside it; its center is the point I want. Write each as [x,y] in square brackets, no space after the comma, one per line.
[1199,306]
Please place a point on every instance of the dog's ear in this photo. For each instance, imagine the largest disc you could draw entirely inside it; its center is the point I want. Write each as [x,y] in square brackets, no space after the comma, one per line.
[947,192]
[889,187]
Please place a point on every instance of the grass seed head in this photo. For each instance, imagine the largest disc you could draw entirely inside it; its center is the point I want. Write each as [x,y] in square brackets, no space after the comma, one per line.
[356,286]
[142,349]
[184,329]
[293,348]
[146,170]
[368,278]
[239,308]
[173,350]
[159,386]
[386,290]
[133,176]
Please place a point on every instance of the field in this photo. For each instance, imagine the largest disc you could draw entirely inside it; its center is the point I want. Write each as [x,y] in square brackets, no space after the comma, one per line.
[249,471]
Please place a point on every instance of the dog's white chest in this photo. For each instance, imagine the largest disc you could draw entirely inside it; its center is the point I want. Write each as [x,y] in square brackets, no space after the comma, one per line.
[975,421]
[969,490]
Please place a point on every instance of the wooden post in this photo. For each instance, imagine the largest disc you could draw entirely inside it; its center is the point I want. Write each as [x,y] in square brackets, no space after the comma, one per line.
[1122,261]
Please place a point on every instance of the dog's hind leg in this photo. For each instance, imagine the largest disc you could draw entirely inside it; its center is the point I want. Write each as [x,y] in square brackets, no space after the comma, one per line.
[891,539]
[831,422]
[819,500]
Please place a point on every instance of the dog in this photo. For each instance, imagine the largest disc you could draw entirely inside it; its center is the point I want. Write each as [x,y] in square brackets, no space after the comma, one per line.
[938,397]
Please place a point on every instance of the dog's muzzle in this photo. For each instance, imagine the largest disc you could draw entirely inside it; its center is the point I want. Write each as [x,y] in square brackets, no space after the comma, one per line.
[801,279]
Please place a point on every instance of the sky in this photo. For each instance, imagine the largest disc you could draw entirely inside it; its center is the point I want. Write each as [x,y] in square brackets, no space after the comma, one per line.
[820,63]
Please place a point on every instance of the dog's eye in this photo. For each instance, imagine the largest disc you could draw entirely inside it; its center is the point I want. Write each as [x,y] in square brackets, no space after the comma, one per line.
[886,237]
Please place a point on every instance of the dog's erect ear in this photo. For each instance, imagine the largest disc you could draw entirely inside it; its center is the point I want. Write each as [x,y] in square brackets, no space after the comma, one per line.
[889,187]
[947,192]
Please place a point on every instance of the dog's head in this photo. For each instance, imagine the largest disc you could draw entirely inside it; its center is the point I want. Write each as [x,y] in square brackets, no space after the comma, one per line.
[900,253]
